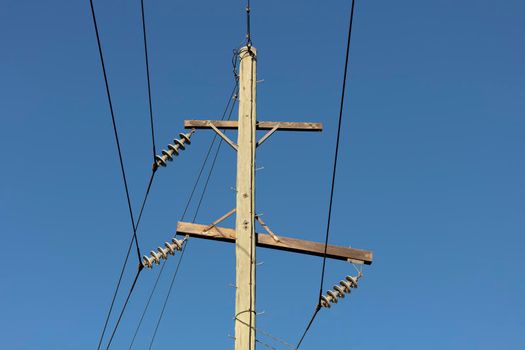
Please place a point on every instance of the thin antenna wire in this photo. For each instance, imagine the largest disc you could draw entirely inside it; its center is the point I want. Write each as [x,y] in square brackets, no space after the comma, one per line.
[248,25]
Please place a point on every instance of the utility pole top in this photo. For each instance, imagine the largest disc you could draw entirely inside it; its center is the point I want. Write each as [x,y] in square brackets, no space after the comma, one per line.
[244,235]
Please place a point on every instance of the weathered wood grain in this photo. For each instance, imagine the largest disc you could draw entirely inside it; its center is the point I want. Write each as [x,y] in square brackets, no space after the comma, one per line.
[233,124]
[287,244]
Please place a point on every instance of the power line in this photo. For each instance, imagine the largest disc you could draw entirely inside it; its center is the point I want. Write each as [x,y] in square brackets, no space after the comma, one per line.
[230,99]
[337,146]
[134,225]
[148,188]
[308,325]
[148,80]
[169,293]
[194,218]
[115,294]
[213,162]
[334,171]
[123,172]
[124,308]
[125,264]
[147,304]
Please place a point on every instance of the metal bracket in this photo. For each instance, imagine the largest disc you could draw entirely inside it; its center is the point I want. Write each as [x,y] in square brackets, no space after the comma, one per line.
[224,137]
[267,135]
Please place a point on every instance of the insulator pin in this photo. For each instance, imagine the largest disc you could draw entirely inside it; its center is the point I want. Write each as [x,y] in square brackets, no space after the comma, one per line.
[173,149]
[339,291]
[161,253]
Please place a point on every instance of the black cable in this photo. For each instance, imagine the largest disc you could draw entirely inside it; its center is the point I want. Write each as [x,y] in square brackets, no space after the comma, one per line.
[134,227]
[147,304]
[150,182]
[148,79]
[124,307]
[318,307]
[194,218]
[337,147]
[168,295]
[154,169]
[148,188]
[115,129]
[308,327]
[115,294]
[207,180]
[125,262]
[211,167]
[230,99]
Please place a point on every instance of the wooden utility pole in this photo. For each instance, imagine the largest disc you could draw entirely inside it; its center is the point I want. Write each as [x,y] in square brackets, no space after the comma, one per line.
[244,235]
[245,218]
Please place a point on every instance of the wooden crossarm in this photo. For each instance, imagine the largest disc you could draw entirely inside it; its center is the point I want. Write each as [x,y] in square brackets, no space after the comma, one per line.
[232,124]
[284,243]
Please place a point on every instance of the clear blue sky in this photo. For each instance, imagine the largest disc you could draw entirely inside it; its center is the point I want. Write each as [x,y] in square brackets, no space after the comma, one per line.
[430,178]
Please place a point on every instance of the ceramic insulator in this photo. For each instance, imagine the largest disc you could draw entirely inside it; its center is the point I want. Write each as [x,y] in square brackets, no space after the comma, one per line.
[155,256]
[173,149]
[339,291]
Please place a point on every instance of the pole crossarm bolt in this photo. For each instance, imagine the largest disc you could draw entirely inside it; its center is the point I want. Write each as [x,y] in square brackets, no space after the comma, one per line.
[162,253]
[173,149]
[339,291]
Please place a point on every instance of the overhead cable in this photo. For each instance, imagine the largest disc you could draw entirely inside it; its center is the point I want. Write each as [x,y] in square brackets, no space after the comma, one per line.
[334,171]
[148,79]
[115,131]
[194,218]
[124,266]
[205,160]
[134,224]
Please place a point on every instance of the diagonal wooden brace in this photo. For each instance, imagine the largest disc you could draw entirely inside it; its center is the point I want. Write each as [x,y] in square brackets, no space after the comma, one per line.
[266,228]
[219,220]
[224,137]
[267,135]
